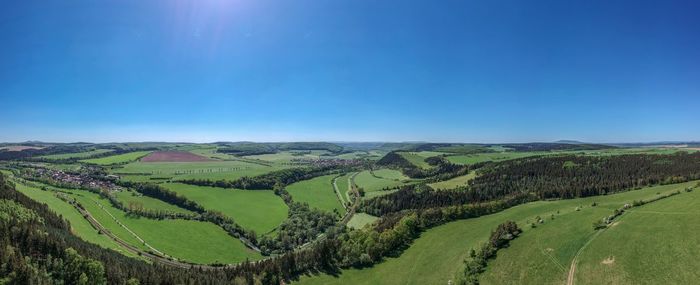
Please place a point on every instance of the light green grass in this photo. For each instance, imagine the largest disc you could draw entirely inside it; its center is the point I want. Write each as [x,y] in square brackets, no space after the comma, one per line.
[76,154]
[437,255]
[391,174]
[287,156]
[318,193]
[194,241]
[257,210]
[343,184]
[375,186]
[454,182]
[501,156]
[119,158]
[79,226]
[415,159]
[212,170]
[148,203]
[658,243]
[359,220]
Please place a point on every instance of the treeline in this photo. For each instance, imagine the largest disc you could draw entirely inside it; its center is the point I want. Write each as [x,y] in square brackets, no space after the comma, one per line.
[442,168]
[269,180]
[303,225]
[475,264]
[573,176]
[555,146]
[250,148]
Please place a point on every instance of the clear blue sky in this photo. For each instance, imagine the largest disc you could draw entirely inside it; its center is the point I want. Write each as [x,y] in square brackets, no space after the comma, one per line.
[351,70]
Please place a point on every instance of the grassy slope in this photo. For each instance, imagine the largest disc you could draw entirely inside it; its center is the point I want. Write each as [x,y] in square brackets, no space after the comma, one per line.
[119,158]
[437,255]
[213,170]
[374,186]
[359,220]
[194,241]
[75,154]
[148,203]
[454,182]
[415,159]
[79,226]
[318,193]
[258,210]
[501,156]
[343,186]
[655,244]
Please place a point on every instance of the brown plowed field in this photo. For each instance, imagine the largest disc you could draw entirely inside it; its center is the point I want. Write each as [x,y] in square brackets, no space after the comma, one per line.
[173,156]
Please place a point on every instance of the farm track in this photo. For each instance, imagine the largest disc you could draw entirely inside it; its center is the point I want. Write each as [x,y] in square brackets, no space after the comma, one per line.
[351,211]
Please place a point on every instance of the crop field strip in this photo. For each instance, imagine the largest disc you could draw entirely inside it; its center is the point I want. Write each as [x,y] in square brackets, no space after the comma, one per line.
[117,159]
[318,192]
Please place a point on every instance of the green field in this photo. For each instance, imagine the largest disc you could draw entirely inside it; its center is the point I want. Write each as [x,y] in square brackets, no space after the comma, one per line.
[654,244]
[454,182]
[343,184]
[287,156]
[119,158]
[213,170]
[375,186]
[148,203]
[76,154]
[501,156]
[359,220]
[415,159]
[258,210]
[437,255]
[194,241]
[79,226]
[318,193]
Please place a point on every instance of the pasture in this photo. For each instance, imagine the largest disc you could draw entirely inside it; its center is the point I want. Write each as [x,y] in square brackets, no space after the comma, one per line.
[76,155]
[194,241]
[318,192]
[454,182]
[212,170]
[360,220]
[258,210]
[288,156]
[148,203]
[437,255]
[119,158]
[657,243]
[415,159]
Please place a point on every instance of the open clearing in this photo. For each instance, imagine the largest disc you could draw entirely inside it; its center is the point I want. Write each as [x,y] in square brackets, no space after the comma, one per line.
[539,256]
[119,158]
[76,154]
[657,243]
[213,170]
[173,156]
[381,183]
[148,203]
[258,210]
[318,193]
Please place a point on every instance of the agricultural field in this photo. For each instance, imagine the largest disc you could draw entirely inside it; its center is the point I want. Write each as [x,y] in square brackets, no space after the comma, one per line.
[415,159]
[212,170]
[436,256]
[288,156]
[343,184]
[318,192]
[454,182]
[119,158]
[258,210]
[77,155]
[381,183]
[654,244]
[148,203]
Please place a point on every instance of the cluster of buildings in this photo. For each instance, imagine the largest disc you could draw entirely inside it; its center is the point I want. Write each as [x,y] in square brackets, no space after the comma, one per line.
[82,180]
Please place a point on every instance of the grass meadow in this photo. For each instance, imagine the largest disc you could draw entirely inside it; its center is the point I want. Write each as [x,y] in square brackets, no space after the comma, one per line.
[536,257]
[318,192]
[258,210]
[119,158]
